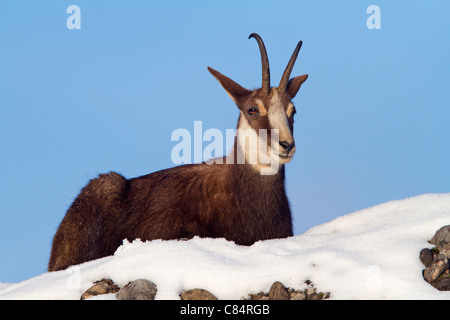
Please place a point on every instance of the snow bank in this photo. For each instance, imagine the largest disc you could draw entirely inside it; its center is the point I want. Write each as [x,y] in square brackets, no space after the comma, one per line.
[368,254]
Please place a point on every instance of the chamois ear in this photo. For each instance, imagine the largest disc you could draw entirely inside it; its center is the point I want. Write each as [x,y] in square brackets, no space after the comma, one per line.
[234,90]
[294,85]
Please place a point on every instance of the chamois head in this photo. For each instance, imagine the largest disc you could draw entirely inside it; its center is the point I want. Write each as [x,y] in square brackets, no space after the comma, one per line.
[265,108]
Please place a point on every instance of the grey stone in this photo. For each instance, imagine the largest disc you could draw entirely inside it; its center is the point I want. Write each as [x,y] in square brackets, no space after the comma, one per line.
[443,285]
[436,268]
[278,292]
[426,256]
[103,286]
[141,289]
[298,295]
[442,240]
[197,294]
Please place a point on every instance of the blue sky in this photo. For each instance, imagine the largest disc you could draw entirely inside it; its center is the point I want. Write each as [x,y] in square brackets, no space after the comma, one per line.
[372,123]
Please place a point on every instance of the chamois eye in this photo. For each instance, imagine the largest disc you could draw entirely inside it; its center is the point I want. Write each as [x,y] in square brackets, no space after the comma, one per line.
[252,111]
[294,111]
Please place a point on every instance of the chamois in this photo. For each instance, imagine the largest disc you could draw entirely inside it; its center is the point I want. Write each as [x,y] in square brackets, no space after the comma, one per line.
[234,200]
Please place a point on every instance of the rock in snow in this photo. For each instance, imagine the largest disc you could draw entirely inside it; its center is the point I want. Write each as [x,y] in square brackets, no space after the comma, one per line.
[442,240]
[278,292]
[197,294]
[426,256]
[436,269]
[436,261]
[103,286]
[368,254]
[140,289]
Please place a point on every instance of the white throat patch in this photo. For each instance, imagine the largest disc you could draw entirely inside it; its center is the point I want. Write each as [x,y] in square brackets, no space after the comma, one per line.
[252,148]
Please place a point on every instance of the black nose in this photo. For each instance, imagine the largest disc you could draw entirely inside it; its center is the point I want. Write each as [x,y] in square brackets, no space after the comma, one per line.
[287,146]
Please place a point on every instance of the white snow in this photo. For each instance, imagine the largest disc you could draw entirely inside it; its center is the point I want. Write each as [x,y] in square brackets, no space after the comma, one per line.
[368,254]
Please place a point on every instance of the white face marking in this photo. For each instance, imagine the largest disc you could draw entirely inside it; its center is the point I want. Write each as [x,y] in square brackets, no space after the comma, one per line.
[252,148]
[278,119]
[247,140]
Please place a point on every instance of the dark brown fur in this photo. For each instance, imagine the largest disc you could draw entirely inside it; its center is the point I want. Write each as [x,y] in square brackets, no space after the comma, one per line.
[207,200]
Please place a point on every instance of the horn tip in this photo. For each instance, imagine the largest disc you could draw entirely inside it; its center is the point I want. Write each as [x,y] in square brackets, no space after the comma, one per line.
[253,35]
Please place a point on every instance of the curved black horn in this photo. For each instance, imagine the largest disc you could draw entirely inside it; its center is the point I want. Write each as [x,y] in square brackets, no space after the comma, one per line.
[287,72]
[264,62]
